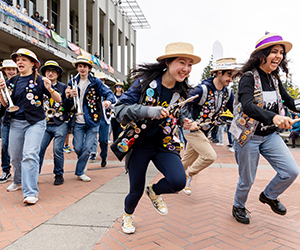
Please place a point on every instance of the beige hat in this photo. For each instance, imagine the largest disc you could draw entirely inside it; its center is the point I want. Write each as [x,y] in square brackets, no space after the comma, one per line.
[25,52]
[119,84]
[8,63]
[100,75]
[84,60]
[180,49]
[270,39]
[225,64]
[51,65]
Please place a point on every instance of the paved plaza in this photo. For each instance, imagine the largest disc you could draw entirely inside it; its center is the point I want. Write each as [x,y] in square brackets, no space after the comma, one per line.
[79,215]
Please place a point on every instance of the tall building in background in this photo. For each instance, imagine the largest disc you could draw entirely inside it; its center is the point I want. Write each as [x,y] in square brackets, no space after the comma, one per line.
[103,30]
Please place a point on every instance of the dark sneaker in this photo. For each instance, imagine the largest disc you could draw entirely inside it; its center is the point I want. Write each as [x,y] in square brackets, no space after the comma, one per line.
[103,163]
[4,177]
[59,179]
[240,214]
[275,205]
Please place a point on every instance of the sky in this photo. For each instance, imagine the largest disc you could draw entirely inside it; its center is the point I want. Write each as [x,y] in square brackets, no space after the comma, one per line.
[236,24]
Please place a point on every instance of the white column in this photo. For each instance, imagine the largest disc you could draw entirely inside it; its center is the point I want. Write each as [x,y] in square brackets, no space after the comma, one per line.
[123,46]
[82,23]
[41,7]
[65,19]
[115,40]
[96,28]
[129,50]
[106,33]
[134,47]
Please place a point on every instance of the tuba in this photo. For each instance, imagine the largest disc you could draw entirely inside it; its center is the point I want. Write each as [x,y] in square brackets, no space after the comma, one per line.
[76,98]
[7,98]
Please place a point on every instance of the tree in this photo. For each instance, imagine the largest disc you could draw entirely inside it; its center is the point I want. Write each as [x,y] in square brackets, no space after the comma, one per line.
[290,87]
[206,71]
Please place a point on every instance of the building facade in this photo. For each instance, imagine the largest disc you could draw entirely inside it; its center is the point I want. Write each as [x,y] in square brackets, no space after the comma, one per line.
[104,28]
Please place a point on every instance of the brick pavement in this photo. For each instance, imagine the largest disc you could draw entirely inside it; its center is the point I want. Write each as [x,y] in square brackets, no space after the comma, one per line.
[204,220]
[201,221]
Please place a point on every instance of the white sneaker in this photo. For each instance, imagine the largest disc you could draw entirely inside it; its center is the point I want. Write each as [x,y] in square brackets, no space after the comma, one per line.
[157,201]
[128,224]
[231,150]
[187,189]
[30,200]
[84,177]
[13,187]
[219,144]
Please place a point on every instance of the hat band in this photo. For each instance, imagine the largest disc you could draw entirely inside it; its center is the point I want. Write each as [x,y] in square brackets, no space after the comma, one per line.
[269,40]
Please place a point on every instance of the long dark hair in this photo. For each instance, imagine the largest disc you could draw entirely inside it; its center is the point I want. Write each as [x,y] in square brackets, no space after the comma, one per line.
[260,57]
[150,71]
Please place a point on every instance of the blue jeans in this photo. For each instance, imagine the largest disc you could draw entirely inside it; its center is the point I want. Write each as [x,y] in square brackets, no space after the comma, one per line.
[103,139]
[274,150]
[59,134]
[169,164]
[5,159]
[83,141]
[220,134]
[24,147]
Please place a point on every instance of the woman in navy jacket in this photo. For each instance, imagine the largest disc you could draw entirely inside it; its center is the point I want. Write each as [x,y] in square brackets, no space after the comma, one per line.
[150,133]
[28,122]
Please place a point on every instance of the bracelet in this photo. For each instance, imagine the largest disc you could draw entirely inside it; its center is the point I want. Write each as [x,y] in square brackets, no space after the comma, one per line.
[51,92]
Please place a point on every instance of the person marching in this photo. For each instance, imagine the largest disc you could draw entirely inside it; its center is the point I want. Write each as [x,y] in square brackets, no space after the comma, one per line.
[88,92]
[57,115]
[214,98]
[10,69]
[103,129]
[257,105]
[115,125]
[151,126]
[28,122]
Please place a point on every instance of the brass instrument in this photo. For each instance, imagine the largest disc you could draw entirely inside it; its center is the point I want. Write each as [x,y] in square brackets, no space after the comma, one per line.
[76,98]
[7,98]
[49,112]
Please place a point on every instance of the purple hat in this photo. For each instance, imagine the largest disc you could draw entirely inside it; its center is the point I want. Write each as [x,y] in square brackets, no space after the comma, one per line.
[270,39]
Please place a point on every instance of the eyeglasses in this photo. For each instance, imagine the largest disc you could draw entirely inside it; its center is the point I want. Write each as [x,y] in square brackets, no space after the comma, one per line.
[118,86]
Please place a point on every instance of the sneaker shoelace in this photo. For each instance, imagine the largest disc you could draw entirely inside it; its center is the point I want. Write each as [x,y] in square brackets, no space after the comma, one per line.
[246,211]
[188,182]
[128,221]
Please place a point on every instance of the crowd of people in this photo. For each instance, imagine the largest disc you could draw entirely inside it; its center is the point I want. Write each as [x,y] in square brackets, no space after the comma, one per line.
[36,16]
[145,121]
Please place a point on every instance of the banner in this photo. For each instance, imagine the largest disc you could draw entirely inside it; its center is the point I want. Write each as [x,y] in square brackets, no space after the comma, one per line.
[111,69]
[20,17]
[74,48]
[59,39]
[95,60]
[85,54]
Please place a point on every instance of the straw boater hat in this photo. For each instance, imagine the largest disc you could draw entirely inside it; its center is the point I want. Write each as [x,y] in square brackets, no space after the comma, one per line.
[8,63]
[84,60]
[25,52]
[119,84]
[51,65]
[100,75]
[180,49]
[225,64]
[270,39]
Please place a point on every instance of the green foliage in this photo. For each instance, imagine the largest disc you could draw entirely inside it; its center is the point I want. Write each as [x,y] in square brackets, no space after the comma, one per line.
[235,85]
[292,89]
[206,71]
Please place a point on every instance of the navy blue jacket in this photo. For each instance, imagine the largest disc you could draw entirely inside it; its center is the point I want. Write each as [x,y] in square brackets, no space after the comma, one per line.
[100,91]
